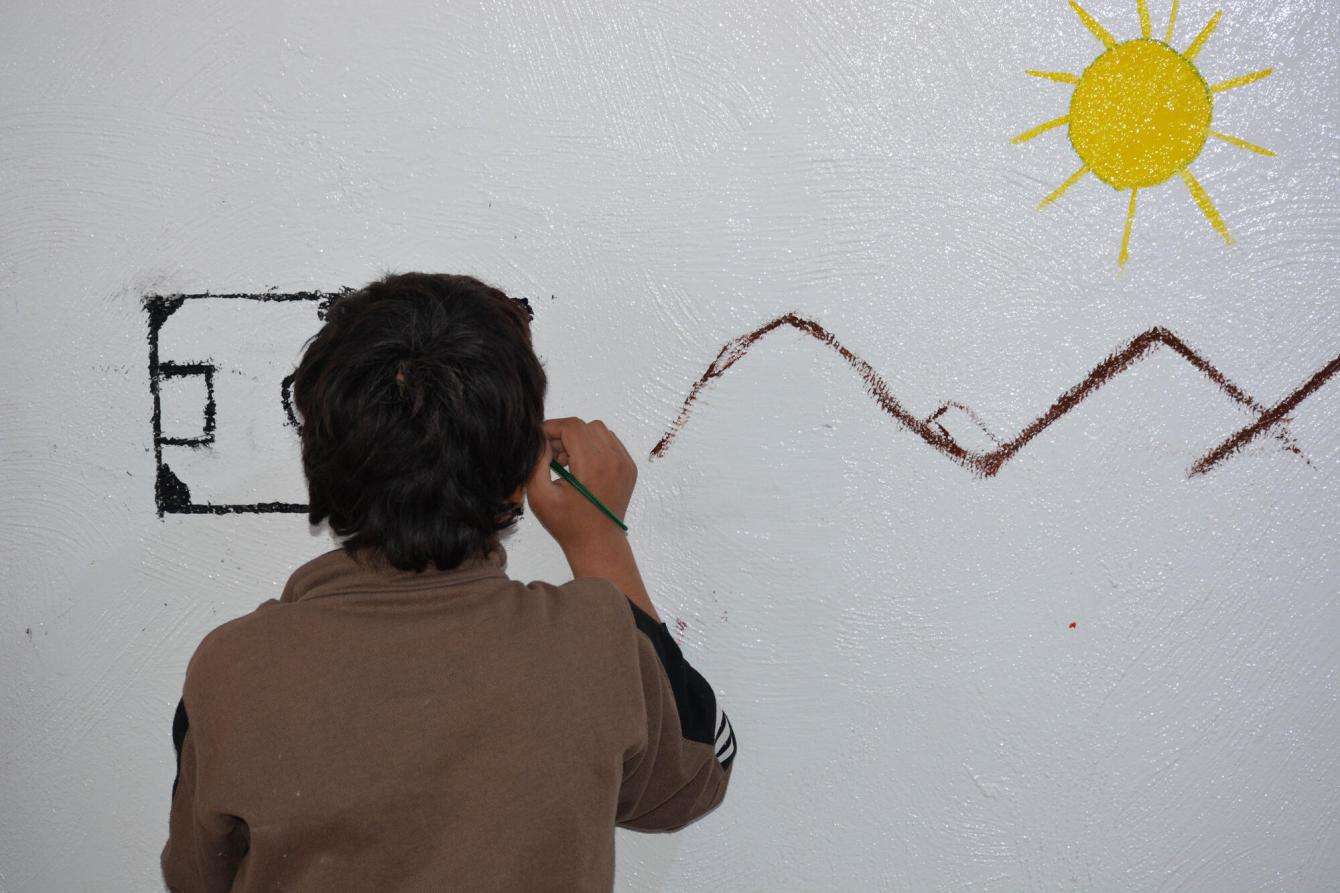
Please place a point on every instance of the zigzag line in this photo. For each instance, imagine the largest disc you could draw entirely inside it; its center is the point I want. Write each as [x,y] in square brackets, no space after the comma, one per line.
[988,463]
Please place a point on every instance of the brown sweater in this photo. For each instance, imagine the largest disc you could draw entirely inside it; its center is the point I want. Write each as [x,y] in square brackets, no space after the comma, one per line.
[375,729]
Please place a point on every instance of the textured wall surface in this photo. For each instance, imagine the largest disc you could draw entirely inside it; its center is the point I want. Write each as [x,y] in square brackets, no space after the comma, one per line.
[1088,670]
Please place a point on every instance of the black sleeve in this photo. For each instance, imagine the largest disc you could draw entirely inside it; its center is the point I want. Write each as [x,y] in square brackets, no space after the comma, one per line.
[180,723]
[700,716]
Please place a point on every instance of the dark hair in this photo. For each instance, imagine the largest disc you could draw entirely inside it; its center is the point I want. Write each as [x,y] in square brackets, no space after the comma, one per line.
[422,405]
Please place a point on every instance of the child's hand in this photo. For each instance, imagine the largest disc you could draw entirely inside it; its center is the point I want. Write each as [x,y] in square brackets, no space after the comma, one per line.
[599,460]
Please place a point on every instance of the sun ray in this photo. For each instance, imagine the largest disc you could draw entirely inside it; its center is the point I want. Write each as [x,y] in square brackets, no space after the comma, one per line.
[1242,143]
[1041,128]
[1125,254]
[1203,36]
[1241,80]
[1063,77]
[1091,23]
[1141,111]
[1060,190]
[1206,206]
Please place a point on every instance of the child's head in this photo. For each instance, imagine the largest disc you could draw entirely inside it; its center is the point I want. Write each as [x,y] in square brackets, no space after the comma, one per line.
[422,406]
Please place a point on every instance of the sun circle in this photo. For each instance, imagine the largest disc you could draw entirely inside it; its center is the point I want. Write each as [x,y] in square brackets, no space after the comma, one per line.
[1140,113]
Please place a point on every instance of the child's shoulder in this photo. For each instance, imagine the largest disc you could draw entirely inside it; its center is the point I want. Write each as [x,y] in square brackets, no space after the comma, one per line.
[592,600]
[236,638]
[227,646]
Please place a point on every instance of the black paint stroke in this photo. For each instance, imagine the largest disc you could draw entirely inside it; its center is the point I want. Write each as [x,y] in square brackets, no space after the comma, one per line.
[168,369]
[286,398]
[171,493]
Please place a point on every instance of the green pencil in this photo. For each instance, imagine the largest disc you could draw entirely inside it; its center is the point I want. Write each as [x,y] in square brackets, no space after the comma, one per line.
[572,479]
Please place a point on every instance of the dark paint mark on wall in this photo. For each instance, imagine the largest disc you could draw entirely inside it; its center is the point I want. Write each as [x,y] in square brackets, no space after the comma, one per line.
[989,462]
[181,370]
[171,494]
[286,397]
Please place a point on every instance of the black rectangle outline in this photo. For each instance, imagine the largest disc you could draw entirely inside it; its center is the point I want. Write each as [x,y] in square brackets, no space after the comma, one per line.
[169,369]
[171,495]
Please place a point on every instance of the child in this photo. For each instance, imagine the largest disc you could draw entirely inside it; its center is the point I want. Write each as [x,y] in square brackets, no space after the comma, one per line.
[405,716]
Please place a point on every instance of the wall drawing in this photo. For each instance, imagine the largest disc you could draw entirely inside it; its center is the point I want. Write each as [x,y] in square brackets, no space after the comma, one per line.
[173,491]
[1141,113]
[1272,418]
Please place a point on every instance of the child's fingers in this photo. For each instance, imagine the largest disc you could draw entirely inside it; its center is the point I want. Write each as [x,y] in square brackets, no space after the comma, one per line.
[573,436]
[555,428]
[560,455]
[603,440]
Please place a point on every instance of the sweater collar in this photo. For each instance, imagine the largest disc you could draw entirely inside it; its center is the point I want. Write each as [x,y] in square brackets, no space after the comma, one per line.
[338,572]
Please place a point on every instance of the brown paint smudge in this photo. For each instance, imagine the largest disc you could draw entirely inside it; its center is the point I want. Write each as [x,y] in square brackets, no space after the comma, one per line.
[988,463]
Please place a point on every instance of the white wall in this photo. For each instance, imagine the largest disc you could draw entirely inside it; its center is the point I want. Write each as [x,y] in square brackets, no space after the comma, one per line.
[891,631]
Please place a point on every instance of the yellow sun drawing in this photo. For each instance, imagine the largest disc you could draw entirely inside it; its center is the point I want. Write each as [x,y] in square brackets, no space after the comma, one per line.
[1141,113]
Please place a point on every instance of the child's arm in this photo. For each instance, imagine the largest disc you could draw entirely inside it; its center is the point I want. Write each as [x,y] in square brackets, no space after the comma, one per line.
[203,848]
[682,767]
[594,546]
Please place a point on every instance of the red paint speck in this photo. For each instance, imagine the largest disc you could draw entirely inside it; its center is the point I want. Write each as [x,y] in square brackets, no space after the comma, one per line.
[1073,624]
[681,624]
